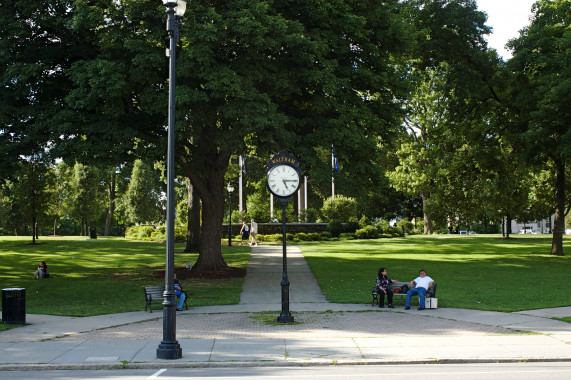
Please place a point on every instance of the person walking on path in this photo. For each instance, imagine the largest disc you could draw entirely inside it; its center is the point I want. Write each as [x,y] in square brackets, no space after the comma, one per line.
[245,232]
[421,285]
[254,233]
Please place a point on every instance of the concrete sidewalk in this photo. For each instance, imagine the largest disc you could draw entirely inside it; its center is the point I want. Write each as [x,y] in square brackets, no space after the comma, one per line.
[324,333]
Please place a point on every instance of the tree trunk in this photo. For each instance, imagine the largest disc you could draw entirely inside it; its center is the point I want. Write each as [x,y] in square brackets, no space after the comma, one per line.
[559,220]
[427,219]
[193,226]
[34,223]
[111,209]
[34,217]
[508,226]
[210,187]
[210,256]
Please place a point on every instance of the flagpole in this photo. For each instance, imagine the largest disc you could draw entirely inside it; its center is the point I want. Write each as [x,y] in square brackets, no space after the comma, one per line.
[299,206]
[240,163]
[332,169]
[305,196]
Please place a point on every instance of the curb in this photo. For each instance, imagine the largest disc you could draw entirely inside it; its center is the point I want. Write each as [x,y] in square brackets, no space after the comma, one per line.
[313,363]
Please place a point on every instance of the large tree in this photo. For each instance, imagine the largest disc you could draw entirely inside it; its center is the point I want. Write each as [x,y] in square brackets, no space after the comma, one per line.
[276,75]
[542,93]
[426,125]
[451,75]
[143,195]
[252,76]
[30,191]
[85,200]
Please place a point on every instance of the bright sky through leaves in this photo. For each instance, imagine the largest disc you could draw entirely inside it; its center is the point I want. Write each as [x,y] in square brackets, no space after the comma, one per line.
[507,17]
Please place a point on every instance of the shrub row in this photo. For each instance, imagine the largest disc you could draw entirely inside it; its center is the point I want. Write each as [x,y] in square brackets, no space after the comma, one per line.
[300,236]
[154,233]
[383,229]
[335,229]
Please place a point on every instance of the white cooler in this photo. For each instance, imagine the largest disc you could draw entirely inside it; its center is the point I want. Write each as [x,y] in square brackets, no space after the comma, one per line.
[431,303]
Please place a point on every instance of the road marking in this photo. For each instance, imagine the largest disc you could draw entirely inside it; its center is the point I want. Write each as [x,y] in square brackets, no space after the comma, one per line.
[157,374]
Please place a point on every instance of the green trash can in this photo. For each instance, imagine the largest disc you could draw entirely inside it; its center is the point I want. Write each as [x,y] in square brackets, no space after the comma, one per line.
[14,306]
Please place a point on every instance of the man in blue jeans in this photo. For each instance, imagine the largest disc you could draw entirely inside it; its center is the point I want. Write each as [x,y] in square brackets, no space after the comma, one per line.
[420,284]
[179,293]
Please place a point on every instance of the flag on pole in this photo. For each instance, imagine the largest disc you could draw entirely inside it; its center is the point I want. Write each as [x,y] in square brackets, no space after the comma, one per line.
[334,160]
[244,167]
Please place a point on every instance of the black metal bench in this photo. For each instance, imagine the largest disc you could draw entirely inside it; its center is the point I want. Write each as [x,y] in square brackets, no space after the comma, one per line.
[155,293]
[430,293]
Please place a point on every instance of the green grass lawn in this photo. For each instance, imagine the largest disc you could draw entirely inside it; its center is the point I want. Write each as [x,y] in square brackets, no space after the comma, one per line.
[104,275]
[4,327]
[473,272]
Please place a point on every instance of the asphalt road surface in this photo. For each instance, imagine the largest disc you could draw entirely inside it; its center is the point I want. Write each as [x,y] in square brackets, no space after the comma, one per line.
[504,371]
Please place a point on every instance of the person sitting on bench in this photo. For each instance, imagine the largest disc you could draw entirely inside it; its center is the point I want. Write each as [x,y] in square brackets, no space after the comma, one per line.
[383,282]
[179,293]
[421,285]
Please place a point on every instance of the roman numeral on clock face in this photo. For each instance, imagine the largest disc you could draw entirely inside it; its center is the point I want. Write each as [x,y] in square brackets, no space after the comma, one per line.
[283,180]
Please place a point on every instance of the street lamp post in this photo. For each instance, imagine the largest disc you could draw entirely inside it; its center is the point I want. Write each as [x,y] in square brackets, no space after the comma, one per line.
[230,189]
[169,348]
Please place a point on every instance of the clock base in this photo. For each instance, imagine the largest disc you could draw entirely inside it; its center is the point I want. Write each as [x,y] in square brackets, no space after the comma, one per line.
[285,318]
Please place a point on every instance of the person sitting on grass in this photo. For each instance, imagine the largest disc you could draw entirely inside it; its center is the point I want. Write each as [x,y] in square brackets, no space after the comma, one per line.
[42,271]
[179,293]
[421,285]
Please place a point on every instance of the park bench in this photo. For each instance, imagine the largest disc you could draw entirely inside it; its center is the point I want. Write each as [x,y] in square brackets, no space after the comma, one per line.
[155,293]
[431,293]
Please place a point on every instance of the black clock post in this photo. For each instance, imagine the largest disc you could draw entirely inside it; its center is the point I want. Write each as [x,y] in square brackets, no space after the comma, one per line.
[283,179]
[285,316]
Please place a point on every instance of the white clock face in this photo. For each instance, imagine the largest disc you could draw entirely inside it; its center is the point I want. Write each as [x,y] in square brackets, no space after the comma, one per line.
[283,180]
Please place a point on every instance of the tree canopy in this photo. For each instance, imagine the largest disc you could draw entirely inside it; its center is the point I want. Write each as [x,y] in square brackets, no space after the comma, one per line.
[541,65]
[253,76]
[86,81]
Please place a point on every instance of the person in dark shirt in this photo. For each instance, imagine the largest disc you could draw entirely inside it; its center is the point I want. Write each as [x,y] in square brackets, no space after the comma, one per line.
[245,232]
[383,282]
[42,271]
